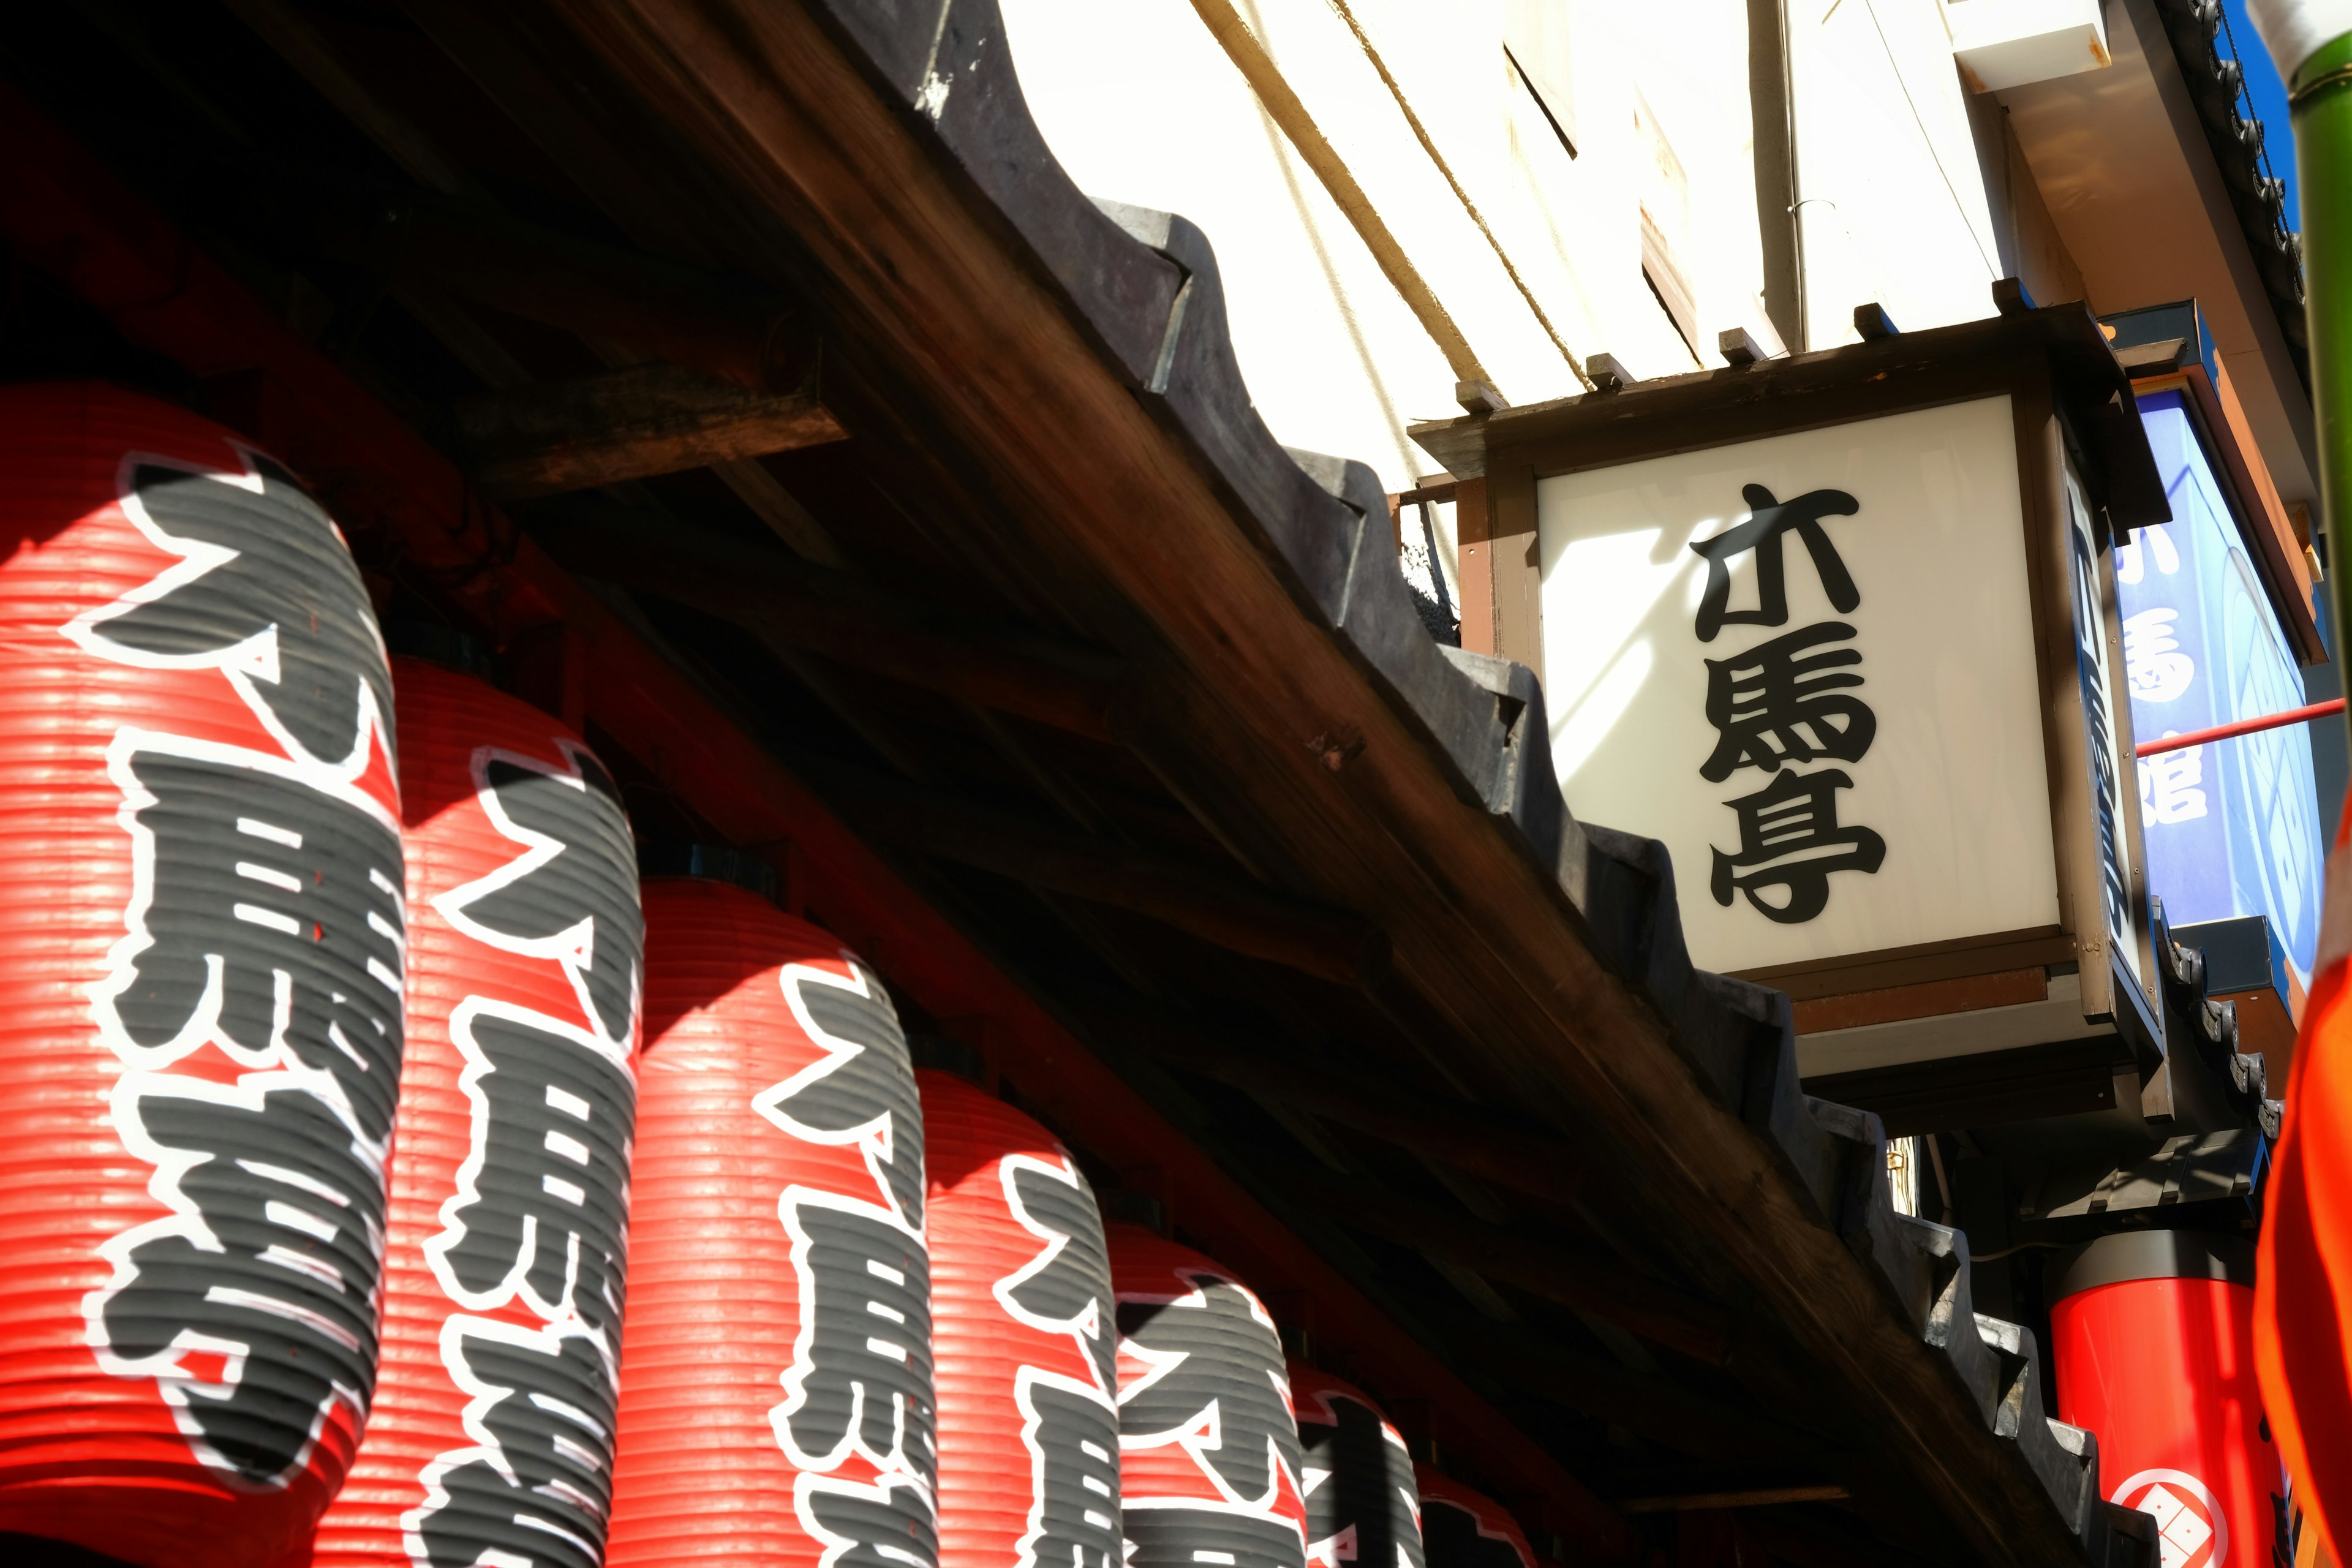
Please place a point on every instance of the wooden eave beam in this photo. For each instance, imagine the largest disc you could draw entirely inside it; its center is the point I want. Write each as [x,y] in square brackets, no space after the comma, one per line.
[1557,1268]
[1461,1136]
[739,332]
[634,423]
[845,618]
[893,228]
[1330,945]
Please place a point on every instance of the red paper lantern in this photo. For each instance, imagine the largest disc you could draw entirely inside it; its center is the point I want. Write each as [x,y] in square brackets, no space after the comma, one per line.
[199,946]
[1209,1463]
[492,1431]
[1357,1474]
[2153,1333]
[1024,1339]
[776,1364]
[1463,1529]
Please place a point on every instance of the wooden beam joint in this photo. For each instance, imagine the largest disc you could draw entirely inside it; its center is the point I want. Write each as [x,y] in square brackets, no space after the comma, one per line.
[628,424]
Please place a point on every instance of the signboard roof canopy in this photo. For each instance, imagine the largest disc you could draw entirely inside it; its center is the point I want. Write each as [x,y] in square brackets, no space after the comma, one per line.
[2058,344]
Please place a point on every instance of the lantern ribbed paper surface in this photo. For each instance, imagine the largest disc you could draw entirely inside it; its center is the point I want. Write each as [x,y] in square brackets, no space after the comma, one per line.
[493,1419]
[200,942]
[2162,1369]
[1362,1505]
[1026,1340]
[1208,1456]
[1463,1529]
[776,1365]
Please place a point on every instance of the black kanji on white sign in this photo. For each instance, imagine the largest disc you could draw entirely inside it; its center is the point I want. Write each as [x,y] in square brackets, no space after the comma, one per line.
[1786,700]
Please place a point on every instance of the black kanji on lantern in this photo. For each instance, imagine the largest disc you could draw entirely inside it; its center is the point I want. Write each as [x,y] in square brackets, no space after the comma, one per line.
[1790,839]
[863,1381]
[1070,1428]
[536,1488]
[541,1205]
[1188,1536]
[264,591]
[1770,520]
[1359,1485]
[1066,1288]
[254,1306]
[1215,1359]
[271,916]
[885,1525]
[571,895]
[1073,1442]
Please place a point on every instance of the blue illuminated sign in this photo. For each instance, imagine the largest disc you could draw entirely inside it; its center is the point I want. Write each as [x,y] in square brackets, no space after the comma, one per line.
[2232,827]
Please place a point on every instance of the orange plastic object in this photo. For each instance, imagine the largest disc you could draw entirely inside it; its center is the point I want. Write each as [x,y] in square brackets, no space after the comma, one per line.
[776,1361]
[492,1431]
[1022,1333]
[199,986]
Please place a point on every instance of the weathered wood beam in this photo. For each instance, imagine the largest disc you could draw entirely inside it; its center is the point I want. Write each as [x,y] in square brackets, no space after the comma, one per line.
[1650,1405]
[845,618]
[1557,1268]
[1460,1136]
[628,424]
[1683,1488]
[739,332]
[1330,944]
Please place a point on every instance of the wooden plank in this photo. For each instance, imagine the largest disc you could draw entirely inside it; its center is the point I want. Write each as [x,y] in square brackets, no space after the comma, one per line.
[1555,1266]
[1917,965]
[739,332]
[1330,944]
[1465,1137]
[1894,1005]
[1473,523]
[843,618]
[628,424]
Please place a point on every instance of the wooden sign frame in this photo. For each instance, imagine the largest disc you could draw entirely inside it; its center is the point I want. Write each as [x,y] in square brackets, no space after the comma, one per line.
[2074,411]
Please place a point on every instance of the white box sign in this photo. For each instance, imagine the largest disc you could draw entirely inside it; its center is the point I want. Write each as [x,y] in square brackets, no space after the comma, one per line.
[1806,664]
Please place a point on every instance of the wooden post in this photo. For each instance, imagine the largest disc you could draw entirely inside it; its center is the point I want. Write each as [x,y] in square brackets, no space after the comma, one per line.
[1474,532]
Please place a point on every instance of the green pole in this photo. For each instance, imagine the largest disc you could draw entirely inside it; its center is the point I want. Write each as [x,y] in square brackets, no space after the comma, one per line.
[2310,41]
[2320,90]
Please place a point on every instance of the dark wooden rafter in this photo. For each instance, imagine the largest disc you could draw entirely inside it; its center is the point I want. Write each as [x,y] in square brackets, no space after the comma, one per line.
[628,424]
[1559,1267]
[739,333]
[1461,1136]
[1330,944]
[848,619]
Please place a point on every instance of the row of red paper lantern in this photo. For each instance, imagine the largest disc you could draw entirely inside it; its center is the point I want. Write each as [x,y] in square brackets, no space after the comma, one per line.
[391,1178]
